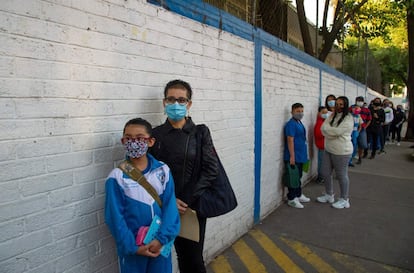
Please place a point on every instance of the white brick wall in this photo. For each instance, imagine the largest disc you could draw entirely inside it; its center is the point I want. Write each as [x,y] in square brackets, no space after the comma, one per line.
[73,72]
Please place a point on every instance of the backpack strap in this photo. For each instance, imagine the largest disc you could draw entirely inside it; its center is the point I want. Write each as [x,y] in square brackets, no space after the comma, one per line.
[136,174]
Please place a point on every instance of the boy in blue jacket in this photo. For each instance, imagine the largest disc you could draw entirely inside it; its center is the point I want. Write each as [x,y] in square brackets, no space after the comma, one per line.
[296,153]
[129,206]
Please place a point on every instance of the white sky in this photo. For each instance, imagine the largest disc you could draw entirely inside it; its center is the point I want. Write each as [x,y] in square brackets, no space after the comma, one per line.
[310,10]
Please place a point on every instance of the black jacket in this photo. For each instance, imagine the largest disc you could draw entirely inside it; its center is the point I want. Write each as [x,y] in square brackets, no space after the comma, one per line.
[376,122]
[177,148]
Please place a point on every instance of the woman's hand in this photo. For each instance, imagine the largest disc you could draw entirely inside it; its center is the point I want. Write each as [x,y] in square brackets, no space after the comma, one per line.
[182,206]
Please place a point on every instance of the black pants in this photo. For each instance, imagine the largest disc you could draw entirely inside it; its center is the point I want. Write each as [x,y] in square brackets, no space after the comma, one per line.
[373,133]
[396,130]
[190,253]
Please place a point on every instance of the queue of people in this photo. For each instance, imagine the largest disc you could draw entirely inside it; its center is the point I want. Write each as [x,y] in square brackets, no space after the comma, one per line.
[157,183]
[342,133]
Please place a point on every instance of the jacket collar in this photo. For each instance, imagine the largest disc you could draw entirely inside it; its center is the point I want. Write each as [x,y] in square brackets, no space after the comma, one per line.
[187,128]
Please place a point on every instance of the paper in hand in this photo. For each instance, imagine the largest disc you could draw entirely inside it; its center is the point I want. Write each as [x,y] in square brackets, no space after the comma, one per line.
[190,228]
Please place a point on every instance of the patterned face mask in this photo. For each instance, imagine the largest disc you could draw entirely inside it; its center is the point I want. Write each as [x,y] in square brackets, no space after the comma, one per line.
[136,148]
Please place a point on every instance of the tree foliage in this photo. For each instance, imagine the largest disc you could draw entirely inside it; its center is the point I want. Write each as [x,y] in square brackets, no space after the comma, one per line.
[344,13]
[380,22]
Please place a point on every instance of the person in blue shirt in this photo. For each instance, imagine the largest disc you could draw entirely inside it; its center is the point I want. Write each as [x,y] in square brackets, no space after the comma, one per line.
[296,153]
[129,206]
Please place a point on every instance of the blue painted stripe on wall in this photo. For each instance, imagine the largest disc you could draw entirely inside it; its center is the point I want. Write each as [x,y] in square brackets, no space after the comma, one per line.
[320,88]
[210,15]
[257,125]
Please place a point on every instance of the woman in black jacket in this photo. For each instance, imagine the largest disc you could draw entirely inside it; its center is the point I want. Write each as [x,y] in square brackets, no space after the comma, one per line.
[176,146]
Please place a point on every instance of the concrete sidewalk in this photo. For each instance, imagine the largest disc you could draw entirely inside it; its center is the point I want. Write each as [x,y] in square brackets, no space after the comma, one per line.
[379,225]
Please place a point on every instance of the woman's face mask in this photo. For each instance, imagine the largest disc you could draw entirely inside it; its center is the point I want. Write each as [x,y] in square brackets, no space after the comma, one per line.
[176,111]
[331,103]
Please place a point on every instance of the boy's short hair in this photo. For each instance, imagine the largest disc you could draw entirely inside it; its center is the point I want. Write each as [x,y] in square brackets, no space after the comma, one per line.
[359,98]
[139,121]
[181,85]
[320,108]
[297,105]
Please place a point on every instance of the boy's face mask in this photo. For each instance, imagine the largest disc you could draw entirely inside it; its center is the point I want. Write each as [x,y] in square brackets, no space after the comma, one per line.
[324,115]
[136,148]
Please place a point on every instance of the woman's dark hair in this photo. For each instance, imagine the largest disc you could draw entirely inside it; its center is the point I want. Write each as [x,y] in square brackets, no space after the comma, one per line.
[180,84]
[140,121]
[344,113]
[320,108]
[330,96]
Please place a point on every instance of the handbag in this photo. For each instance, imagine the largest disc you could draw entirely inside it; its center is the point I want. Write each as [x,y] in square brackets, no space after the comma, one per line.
[219,198]
[291,176]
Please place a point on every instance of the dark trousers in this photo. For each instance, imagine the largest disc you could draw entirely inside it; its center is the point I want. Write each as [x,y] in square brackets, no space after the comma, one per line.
[384,136]
[374,134]
[190,253]
[396,130]
[295,192]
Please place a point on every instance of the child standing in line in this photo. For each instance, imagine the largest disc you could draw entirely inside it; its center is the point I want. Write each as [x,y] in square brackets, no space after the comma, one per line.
[129,205]
[355,111]
[319,138]
[296,153]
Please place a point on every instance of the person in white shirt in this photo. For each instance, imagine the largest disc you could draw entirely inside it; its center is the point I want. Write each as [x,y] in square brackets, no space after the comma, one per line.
[389,117]
[337,130]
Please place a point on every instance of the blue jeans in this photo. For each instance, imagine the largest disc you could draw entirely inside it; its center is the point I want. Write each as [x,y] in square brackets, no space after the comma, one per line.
[354,139]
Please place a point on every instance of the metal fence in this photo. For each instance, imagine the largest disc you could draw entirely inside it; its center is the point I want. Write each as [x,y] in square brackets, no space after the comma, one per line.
[279,18]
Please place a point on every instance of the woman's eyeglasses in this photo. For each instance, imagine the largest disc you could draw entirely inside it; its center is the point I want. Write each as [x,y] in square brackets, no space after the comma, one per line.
[180,100]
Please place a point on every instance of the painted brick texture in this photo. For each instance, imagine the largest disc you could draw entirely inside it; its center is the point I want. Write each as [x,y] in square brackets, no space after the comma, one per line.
[73,72]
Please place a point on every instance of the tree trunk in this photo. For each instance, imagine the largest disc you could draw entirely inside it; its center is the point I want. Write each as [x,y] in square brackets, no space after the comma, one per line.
[304,29]
[410,85]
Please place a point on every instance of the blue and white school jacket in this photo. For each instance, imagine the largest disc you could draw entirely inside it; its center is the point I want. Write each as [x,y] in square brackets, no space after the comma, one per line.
[129,206]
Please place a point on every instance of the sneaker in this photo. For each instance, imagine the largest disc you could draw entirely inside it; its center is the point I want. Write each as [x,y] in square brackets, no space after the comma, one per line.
[398,144]
[303,199]
[351,165]
[294,203]
[359,161]
[341,204]
[326,198]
